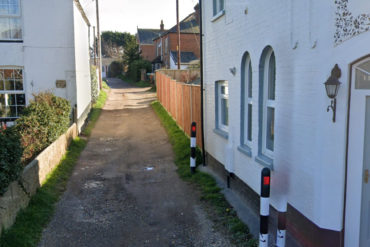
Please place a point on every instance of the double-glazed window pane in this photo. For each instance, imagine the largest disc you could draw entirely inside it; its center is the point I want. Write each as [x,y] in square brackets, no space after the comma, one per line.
[218,5]
[363,76]
[269,96]
[250,80]
[225,112]
[270,128]
[9,7]
[249,137]
[10,21]
[12,98]
[271,78]
[222,105]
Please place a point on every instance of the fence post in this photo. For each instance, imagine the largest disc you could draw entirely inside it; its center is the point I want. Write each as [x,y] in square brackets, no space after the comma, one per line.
[264,207]
[193,143]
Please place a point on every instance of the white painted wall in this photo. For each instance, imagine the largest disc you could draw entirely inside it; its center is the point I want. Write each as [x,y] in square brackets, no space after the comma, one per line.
[309,156]
[82,61]
[55,47]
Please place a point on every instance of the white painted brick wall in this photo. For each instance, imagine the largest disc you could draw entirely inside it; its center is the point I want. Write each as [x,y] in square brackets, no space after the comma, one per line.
[49,50]
[309,156]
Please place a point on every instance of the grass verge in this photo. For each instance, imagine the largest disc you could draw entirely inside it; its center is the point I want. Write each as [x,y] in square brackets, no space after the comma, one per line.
[30,222]
[137,84]
[220,210]
[96,110]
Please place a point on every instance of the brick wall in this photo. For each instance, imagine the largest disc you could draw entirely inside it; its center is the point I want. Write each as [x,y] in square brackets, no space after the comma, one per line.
[148,52]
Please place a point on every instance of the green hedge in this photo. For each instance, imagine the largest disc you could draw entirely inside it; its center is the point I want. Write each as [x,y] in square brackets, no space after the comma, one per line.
[136,66]
[45,119]
[10,157]
[94,83]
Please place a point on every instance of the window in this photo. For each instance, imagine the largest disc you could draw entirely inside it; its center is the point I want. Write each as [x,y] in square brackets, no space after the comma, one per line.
[218,6]
[267,105]
[222,107]
[246,104]
[12,97]
[10,20]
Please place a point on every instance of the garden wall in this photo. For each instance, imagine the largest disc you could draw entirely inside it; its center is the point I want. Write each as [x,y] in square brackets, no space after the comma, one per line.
[33,176]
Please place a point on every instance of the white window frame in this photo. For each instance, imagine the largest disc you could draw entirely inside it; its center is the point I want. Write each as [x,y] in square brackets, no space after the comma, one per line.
[220,97]
[248,100]
[14,91]
[15,16]
[218,7]
[267,103]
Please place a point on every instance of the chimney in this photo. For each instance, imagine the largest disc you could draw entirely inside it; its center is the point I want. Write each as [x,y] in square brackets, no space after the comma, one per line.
[162,26]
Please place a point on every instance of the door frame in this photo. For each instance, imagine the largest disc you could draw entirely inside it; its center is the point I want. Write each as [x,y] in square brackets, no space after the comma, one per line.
[347,141]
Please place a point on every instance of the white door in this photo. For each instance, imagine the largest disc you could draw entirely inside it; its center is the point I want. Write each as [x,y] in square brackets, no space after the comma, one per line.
[357,221]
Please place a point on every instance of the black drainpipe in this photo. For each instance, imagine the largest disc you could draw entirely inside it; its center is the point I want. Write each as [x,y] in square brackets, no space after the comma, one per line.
[201,81]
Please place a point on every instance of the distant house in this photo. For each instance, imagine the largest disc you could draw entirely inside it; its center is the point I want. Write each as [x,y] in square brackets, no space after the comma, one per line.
[186,58]
[166,43]
[144,38]
[44,47]
[265,65]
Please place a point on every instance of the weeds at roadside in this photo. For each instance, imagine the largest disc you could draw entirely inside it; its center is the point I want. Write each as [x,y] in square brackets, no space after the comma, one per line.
[30,222]
[220,210]
[96,111]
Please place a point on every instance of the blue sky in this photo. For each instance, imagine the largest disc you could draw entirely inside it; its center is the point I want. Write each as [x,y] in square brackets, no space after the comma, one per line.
[126,15]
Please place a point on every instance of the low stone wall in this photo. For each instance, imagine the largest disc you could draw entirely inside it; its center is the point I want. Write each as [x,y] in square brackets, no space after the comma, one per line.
[33,176]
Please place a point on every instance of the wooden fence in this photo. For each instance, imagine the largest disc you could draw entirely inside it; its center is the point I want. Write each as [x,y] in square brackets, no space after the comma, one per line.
[182,102]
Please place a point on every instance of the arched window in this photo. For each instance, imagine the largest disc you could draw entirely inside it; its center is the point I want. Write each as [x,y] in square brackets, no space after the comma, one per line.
[267,105]
[246,104]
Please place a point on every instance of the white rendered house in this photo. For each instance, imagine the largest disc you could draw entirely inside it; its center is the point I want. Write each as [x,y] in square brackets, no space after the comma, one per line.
[265,64]
[44,46]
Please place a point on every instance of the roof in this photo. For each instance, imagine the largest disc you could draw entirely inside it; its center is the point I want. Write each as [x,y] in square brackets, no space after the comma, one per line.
[187,25]
[146,36]
[186,56]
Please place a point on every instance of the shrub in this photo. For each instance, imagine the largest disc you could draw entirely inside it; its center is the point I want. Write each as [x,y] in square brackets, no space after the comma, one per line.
[10,157]
[43,121]
[136,66]
[115,69]
[94,83]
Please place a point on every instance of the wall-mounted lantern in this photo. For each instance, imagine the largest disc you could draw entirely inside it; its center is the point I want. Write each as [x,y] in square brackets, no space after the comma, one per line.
[332,86]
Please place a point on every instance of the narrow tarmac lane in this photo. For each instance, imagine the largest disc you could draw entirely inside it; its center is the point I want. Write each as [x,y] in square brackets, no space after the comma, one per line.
[125,190]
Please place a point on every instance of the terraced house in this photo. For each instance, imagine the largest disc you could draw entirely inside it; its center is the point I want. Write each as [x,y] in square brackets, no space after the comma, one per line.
[266,105]
[44,46]
[166,45]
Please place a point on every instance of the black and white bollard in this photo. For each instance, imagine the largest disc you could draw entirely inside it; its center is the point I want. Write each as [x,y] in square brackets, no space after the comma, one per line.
[281,231]
[265,207]
[193,143]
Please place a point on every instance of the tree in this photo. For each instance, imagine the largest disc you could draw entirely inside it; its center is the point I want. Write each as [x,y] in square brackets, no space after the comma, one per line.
[131,53]
[113,43]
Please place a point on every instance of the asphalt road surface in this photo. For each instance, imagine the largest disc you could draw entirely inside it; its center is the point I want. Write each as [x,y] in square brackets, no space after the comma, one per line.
[124,190]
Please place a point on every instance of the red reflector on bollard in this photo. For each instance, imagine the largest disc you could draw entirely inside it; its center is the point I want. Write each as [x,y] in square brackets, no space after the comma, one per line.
[266,180]
[193,128]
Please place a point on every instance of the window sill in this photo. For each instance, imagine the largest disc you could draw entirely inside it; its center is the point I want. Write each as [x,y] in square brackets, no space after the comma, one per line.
[218,15]
[265,161]
[245,150]
[11,41]
[221,133]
